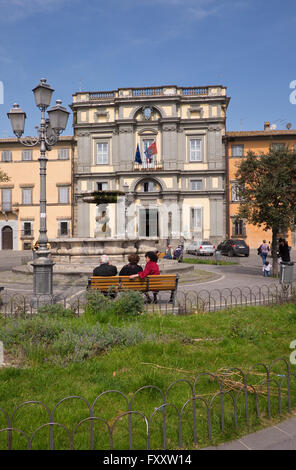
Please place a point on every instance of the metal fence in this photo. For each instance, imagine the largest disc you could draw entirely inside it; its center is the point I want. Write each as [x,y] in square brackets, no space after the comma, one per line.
[187,301]
[241,399]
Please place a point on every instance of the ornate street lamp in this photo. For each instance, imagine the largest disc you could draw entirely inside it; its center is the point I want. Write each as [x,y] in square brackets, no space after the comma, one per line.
[48,135]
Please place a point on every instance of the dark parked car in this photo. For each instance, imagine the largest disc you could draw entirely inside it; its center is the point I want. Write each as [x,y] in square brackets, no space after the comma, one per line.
[233,247]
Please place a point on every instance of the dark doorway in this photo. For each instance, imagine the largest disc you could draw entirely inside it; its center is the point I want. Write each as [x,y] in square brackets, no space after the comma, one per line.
[7,239]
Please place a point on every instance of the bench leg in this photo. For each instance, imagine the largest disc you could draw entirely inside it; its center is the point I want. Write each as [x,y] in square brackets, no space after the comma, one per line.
[172,298]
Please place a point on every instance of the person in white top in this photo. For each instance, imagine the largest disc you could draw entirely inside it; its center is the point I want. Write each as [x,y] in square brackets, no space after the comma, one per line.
[266,268]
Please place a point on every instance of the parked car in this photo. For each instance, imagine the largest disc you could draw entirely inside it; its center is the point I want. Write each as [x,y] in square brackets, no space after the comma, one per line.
[233,247]
[203,247]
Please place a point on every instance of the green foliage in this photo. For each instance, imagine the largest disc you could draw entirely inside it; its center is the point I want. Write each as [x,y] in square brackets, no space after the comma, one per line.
[104,307]
[129,303]
[55,310]
[248,332]
[52,338]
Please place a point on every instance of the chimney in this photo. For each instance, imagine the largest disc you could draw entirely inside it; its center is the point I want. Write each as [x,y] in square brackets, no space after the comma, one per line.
[267,126]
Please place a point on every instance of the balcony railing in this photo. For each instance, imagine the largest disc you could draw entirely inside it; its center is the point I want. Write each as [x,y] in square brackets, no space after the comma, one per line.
[142,92]
[190,91]
[27,233]
[147,91]
[101,95]
[155,164]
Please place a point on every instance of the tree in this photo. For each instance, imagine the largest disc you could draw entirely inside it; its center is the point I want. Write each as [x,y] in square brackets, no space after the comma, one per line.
[267,192]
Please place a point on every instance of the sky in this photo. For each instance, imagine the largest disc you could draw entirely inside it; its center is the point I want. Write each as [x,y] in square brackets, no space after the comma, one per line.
[94,45]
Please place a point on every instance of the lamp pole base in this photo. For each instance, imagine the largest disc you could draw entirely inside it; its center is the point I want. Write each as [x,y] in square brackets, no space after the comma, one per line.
[43,275]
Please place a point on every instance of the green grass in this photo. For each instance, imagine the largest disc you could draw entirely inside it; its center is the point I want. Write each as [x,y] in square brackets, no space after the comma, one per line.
[169,348]
[207,261]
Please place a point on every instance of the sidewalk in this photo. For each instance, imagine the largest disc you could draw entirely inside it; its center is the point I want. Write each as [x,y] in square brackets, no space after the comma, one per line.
[281,436]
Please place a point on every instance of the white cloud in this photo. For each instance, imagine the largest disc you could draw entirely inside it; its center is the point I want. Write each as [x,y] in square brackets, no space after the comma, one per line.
[16,10]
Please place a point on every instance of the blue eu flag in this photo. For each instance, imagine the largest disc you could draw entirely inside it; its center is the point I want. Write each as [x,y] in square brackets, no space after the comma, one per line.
[138,156]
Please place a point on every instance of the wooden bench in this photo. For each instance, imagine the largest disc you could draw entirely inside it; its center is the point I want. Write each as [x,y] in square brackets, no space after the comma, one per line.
[162,282]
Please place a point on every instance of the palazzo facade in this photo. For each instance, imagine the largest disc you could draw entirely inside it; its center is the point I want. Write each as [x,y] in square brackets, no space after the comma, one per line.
[179,192]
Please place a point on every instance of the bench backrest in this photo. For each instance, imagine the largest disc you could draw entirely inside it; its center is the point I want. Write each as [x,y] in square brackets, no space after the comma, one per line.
[160,282]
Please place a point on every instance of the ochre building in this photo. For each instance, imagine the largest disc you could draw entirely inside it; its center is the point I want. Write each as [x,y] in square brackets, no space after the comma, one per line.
[20,196]
[237,145]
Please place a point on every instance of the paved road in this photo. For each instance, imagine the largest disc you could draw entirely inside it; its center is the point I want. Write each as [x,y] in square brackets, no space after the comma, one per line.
[9,259]
[246,274]
[281,436]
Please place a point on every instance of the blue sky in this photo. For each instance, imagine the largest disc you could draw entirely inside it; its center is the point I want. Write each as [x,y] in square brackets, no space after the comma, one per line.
[93,45]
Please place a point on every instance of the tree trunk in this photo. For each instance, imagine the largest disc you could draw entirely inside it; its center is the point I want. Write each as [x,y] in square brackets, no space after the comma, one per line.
[274,252]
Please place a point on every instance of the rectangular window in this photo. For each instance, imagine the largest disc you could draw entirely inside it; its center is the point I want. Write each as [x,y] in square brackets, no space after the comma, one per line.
[27,155]
[237,150]
[27,196]
[102,153]
[196,185]
[195,150]
[6,156]
[235,196]
[6,200]
[102,186]
[278,146]
[238,228]
[64,228]
[27,229]
[63,194]
[63,154]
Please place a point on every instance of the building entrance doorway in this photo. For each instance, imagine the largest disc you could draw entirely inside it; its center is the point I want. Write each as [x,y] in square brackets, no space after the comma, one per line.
[148,223]
[7,239]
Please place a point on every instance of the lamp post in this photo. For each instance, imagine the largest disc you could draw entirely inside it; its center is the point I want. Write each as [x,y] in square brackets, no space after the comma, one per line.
[48,135]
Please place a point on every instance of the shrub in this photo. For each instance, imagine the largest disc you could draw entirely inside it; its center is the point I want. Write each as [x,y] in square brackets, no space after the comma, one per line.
[126,304]
[55,310]
[129,303]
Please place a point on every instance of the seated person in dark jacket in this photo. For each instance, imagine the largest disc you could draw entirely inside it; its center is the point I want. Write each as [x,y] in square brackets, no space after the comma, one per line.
[132,267]
[105,268]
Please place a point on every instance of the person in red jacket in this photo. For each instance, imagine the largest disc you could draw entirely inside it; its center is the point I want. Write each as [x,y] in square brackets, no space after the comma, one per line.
[151,268]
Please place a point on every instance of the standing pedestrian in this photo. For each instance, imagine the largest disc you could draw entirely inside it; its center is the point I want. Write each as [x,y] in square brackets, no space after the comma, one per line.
[263,250]
[284,250]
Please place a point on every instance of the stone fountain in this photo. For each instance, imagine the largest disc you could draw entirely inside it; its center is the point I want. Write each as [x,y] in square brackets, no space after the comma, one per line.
[77,257]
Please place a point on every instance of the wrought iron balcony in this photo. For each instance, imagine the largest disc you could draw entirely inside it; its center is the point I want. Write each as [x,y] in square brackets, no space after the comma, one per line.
[155,164]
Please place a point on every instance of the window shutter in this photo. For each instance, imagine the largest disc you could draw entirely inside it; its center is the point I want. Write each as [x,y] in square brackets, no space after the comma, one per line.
[153,222]
[6,156]
[63,195]
[63,154]
[6,200]
[27,196]
[27,155]
[142,222]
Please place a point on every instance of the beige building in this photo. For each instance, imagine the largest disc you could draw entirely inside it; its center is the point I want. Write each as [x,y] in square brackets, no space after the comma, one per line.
[20,196]
[180,191]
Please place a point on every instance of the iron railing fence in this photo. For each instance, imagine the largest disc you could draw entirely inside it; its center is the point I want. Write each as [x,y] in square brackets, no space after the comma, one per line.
[181,417]
[187,301]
